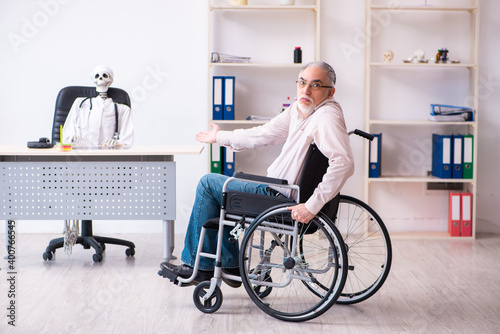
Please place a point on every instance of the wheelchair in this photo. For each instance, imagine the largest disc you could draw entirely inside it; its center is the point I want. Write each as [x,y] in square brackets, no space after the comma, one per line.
[294,271]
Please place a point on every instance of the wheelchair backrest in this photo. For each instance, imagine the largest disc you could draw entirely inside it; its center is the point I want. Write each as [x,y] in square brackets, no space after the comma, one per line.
[315,165]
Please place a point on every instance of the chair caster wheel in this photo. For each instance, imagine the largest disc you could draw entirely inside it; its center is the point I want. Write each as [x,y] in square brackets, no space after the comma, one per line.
[210,305]
[97,257]
[103,246]
[130,252]
[47,256]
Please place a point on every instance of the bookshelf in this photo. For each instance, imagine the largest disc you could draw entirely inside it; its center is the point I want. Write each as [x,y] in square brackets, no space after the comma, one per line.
[268,33]
[402,118]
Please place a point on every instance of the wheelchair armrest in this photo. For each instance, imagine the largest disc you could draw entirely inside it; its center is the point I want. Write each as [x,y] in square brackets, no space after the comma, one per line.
[263,179]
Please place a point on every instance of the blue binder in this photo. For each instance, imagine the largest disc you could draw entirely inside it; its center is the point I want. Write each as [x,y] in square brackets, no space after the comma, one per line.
[448,110]
[218,98]
[441,156]
[229,98]
[228,168]
[456,162]
[375,156]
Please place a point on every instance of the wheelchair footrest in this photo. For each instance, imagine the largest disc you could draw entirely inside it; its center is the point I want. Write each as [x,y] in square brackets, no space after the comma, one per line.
[168,274]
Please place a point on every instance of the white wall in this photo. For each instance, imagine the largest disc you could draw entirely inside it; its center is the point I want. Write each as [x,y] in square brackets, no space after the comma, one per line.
[158,52]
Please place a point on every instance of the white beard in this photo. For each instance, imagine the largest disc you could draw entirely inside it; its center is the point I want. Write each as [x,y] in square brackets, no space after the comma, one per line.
[306,109]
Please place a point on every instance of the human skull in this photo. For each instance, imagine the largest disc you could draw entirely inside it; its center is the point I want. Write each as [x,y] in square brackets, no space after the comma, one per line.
[388,56]
[103,78]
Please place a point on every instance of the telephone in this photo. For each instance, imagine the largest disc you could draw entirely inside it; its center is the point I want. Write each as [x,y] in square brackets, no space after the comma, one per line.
[41,143]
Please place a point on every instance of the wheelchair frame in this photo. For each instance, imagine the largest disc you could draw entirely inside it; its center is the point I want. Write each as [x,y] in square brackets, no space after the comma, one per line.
[207,295]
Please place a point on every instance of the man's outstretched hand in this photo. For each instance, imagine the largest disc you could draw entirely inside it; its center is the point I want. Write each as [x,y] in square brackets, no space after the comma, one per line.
[209,137]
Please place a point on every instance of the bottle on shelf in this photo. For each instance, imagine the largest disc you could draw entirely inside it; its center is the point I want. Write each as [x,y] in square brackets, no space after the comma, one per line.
[297,55]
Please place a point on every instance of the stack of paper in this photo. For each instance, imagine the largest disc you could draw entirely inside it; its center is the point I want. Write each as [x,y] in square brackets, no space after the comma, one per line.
[224,58]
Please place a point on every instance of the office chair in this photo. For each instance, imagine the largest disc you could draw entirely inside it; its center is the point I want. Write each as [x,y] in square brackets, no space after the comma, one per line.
[64,101]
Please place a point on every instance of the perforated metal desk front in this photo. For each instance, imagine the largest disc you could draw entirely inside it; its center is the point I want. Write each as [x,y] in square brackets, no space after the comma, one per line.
[137,183]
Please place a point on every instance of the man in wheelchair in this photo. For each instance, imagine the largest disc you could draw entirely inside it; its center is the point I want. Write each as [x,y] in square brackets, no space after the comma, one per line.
[314,117]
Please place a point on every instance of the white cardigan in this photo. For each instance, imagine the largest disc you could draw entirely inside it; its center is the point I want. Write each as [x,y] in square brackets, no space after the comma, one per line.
[325,126]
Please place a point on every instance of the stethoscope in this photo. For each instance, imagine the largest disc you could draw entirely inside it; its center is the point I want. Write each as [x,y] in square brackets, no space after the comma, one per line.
[116,136]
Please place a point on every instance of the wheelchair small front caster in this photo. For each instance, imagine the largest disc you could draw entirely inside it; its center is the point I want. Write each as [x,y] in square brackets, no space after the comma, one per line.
[210,305]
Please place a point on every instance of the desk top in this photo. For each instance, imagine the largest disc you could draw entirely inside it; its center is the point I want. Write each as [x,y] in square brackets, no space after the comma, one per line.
[8,150]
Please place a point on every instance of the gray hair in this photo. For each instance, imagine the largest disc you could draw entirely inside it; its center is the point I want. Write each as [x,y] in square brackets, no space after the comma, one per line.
[330,72]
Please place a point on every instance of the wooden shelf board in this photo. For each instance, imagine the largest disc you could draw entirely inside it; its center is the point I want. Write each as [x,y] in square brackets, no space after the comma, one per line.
[247,7]
[240,122]
[275,65]
[422,65]
[416,122]
[416,179]
[426,7]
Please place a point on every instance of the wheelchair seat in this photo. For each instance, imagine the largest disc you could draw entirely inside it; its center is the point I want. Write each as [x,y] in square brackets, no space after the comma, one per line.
[251,205]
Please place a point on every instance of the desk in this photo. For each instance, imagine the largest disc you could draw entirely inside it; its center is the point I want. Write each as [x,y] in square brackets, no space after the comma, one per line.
[133,183]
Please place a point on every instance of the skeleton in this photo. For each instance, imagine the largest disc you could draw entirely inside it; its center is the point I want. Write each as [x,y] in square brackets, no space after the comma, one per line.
[102,77]
[388,56]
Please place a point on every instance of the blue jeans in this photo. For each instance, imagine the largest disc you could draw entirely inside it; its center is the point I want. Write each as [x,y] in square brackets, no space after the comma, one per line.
[206,206]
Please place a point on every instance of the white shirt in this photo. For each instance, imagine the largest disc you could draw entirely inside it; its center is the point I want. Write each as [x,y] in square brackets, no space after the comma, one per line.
[325,126]
[97,125]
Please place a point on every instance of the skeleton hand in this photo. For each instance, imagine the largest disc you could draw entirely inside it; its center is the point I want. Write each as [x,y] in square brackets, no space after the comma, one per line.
[77,141]
[112,143]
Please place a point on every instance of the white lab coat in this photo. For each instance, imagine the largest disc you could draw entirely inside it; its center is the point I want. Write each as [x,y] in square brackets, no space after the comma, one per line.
[97,125]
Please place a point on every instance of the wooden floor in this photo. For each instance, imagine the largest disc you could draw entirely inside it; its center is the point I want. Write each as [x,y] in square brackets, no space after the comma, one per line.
[435,286]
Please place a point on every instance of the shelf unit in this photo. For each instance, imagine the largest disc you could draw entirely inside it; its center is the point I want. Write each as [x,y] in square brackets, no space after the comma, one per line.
[377,73]
[280,70]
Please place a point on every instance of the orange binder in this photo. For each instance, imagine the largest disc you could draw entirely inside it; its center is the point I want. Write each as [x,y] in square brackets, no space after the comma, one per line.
[466,221]
[455,213]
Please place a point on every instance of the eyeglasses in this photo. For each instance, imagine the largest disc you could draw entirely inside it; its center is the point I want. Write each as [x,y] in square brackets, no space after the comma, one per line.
[314,86]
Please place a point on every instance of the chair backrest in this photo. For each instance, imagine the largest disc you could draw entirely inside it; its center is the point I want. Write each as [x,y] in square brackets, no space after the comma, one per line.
[67,96]
[315,165]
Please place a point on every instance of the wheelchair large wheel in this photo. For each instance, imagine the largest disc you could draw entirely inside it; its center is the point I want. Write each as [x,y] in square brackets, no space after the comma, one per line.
[301,283]
[368,249]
